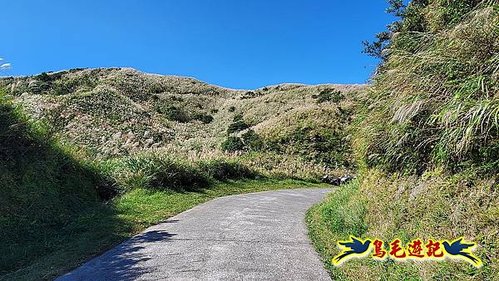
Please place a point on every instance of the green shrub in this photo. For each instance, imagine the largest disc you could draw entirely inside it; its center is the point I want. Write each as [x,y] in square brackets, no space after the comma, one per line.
[329,96]
[174,113]
[325,146]
[237,125]
[232,144]
[252,141]
[178,176]
[44,77]
[232,109]
[157,88]
[160,172]
[203,117]
[223,170]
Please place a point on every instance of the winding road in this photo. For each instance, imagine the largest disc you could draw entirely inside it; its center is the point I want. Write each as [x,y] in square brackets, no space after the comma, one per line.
[257,236]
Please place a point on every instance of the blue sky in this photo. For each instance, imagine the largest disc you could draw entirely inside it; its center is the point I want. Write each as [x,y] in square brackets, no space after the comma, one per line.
[236,44]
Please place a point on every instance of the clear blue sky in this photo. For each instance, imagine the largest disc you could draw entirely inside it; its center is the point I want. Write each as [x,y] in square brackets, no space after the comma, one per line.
[237,44]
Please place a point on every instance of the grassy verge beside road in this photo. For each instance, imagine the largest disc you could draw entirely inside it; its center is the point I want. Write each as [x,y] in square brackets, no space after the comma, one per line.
[102,227]
[388,207]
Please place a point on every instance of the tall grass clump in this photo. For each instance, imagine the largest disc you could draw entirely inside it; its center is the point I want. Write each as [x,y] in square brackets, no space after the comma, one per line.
[156,171]
[224,170]
[435,100]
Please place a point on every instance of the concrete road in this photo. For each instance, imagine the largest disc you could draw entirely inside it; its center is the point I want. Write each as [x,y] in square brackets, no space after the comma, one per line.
[258,236]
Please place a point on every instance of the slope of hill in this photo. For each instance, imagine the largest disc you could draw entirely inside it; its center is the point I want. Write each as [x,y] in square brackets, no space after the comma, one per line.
[110,113]
[95,155]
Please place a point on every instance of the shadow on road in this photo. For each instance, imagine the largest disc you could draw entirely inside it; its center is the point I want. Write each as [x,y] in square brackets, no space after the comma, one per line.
[121,263]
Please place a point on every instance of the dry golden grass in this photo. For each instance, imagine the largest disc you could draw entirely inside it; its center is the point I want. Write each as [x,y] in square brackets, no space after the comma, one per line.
[112,113]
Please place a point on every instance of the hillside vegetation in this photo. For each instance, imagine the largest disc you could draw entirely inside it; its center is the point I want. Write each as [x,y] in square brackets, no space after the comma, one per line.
[110,113]
[90,157]
[427,143]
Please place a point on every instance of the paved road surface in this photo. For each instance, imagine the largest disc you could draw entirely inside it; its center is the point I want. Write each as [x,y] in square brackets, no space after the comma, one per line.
[258,236]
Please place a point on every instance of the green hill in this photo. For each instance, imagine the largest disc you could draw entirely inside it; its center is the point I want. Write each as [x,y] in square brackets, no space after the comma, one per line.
[93,156]
[109,113]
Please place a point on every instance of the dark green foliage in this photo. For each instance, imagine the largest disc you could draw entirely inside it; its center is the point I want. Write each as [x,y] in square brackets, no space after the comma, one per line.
[232,109]
[329,96]
[223,170]
[177,176]
[37,87]
[203,117]
[376,48]
[157,88]
[44,77]
[238,125]
[157,172]
[175,113]
[249,95]
[238,117]
[249,141]
[396,7]
[232,144]
[413,18]
[20,89]
[179,114]
[252,141]
[328,147]
[56,83]
[455,10]
[383,39]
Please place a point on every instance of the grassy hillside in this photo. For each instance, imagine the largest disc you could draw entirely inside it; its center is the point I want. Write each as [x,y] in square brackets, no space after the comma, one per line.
[113,113]
[90,157]
[426,141]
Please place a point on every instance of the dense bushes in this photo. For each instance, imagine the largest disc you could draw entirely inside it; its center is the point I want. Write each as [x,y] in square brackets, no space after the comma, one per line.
[248,141]
[436,101]
[158,172]
[163,172]
[232,144]
[324,146]
[226,170]
[237,125]
[174,113]
[329,95]
[426,138]
[203,117]
[179,114]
